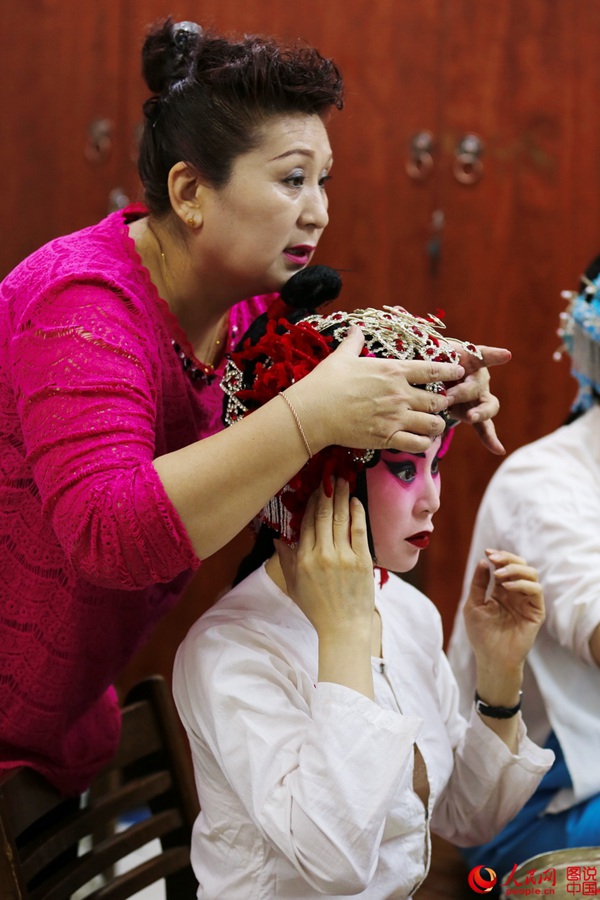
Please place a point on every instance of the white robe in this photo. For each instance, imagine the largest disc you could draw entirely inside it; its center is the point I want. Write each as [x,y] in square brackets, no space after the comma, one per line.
[543,503]
[307,789]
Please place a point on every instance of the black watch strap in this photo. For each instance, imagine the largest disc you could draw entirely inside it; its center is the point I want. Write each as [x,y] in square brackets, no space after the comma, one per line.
[497,712]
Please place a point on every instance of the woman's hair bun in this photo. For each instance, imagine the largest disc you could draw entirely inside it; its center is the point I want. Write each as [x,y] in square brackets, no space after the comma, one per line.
[311,287]
[169,53]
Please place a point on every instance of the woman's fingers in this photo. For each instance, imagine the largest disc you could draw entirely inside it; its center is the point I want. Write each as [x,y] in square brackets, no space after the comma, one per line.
[353,342]
[522,586]
[510,568]
[421,422]
[514,571]
[323,518]
[340,523]
[420,371]
[479,583]
[308,526]
[341,513]
[516,584]
[331,576]
[364,402]
[503,557]
[471,400]
[491,356]
[471,391]
[381,403]
[334,524]
[486,431]
[358,532]
[421,431]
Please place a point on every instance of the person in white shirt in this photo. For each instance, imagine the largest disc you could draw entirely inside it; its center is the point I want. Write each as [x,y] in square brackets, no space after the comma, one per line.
[320,708]
[544,503]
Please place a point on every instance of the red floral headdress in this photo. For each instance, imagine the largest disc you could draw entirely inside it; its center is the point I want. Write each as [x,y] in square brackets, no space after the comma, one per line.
[286,350]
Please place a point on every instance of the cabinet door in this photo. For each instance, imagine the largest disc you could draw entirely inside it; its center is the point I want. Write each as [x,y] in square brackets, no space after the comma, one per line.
[523,75]
[60,70]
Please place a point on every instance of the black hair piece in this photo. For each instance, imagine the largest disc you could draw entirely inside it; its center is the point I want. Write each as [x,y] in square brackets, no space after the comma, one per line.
[262,550]
[361,493]
[302,293]
[312,287]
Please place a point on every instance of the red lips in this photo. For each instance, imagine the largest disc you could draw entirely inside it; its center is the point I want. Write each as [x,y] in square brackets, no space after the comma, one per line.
[420,540]
[299,254]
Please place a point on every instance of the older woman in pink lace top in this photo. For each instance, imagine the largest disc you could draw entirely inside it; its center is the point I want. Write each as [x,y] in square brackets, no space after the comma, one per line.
[116,479]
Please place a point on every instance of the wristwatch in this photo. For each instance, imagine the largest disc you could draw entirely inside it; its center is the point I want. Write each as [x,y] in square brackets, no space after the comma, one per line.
[497,712]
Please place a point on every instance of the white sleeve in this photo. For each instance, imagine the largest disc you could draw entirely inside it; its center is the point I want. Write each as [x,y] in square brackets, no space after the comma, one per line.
[315,769]
[558,533]
[489,784]
[562,541]
[555,525]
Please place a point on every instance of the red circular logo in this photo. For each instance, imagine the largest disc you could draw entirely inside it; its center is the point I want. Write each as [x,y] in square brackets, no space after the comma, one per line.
[482,879]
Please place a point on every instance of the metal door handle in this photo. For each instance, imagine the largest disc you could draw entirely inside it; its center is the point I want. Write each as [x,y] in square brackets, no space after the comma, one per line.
[420,156]
[468,167]
[99,140]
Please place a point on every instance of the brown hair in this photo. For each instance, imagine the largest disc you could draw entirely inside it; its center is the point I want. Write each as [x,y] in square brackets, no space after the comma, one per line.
[212,94]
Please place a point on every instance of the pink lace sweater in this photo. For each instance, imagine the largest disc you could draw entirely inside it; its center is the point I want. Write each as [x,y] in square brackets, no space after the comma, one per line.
[92,553]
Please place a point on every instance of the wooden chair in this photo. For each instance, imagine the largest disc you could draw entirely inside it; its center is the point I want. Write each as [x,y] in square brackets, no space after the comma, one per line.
[40,830]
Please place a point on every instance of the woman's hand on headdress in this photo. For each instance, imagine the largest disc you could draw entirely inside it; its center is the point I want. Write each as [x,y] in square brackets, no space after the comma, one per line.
[330,574]
[471,400]
[330,577]
[370,403]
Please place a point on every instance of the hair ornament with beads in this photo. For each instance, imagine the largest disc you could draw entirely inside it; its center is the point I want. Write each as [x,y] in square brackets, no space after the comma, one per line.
[579,330]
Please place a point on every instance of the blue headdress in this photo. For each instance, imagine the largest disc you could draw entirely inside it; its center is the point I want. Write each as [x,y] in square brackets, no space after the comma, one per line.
[580,332]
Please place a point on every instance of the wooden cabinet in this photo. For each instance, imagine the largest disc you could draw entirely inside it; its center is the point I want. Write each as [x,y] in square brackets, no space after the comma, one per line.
[523,75]
[60,70]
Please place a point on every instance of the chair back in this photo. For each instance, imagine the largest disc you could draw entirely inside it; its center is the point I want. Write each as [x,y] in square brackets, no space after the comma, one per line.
[51,846]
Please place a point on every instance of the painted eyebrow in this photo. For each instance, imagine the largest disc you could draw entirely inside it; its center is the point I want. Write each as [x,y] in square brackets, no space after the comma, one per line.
[397,452]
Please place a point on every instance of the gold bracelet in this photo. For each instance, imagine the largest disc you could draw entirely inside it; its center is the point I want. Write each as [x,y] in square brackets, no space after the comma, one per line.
[298,422]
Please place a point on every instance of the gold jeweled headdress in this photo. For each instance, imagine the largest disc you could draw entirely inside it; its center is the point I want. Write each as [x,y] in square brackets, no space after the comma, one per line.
[287,346]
